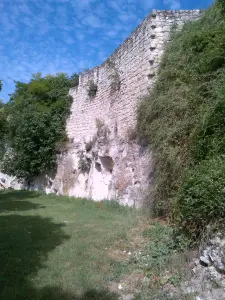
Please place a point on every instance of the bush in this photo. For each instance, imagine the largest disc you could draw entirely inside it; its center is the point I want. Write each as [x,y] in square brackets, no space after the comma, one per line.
[74,80]
[159,249]
[36,119]
[183,117]
[92,88]
[3,130]
[201,197]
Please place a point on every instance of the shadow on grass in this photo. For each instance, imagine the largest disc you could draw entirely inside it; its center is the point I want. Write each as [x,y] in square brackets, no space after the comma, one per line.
[16,201]
[55,293]
[18,195]
[25,243]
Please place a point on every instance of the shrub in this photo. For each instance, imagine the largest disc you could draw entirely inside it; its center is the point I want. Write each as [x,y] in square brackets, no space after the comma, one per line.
[183,120]
[92,89]
[183,117]
[201,197]
[3,121]
[74,80]
[159,252]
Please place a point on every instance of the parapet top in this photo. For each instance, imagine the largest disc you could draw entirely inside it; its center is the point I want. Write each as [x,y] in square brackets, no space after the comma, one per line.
[158,11]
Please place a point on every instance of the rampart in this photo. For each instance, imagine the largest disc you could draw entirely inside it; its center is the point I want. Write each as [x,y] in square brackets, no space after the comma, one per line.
[103,159]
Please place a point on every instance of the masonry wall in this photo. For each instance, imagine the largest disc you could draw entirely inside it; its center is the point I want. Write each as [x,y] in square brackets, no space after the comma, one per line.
[136,62]
[128,75]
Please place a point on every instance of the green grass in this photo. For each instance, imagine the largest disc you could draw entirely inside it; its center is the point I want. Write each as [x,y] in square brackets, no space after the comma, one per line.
[55,247]
[164,262]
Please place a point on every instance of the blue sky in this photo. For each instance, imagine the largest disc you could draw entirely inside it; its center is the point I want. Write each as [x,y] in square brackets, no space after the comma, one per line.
[52,36]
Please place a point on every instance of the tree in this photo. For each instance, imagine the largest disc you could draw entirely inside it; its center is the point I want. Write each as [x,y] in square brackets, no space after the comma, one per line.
[37,113]
[74,80]
[3,128]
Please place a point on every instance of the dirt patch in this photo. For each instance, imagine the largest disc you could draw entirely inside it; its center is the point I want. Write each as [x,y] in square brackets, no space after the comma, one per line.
[135,241]
[123,251]
[88,225]
[128,286]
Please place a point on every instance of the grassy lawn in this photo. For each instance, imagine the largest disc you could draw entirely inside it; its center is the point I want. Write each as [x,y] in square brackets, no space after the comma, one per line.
[57,248]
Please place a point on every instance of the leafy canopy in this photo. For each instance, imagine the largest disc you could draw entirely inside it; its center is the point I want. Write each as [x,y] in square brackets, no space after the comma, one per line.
[36,115]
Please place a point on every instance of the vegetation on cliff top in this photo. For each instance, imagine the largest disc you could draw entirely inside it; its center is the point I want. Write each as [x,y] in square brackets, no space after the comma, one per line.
[184,121]
[34,121]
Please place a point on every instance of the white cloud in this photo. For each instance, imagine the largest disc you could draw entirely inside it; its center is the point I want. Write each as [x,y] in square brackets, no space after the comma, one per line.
[173,4]
[127,17]
[115,5]
[147,4]
[69,40]
[92,21]
[63,35]
[81,4]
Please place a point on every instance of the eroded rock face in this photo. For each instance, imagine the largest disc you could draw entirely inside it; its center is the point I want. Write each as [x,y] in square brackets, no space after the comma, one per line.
[10,182]
[214,254]
[104,167]
[104,159]
[208,280]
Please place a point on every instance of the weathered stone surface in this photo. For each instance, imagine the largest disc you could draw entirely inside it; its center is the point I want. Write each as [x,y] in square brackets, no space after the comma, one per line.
[10,182]
[208,280]
[122,80]
[104,159]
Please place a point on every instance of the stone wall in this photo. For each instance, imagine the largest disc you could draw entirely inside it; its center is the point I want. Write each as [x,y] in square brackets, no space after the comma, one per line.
[103,159]
[10,182]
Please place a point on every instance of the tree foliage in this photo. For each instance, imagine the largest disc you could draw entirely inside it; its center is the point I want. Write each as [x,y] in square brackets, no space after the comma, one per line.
[74,80]
[36,116]
[3,125]
[3,128]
